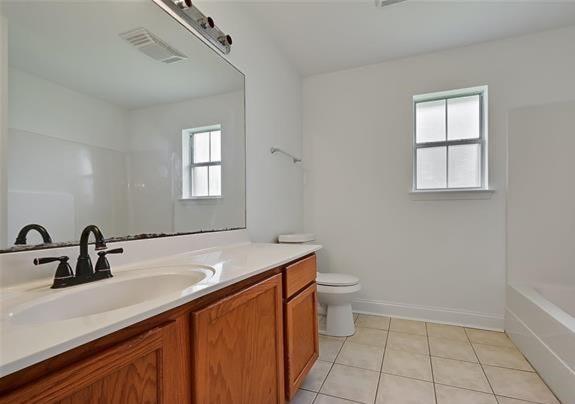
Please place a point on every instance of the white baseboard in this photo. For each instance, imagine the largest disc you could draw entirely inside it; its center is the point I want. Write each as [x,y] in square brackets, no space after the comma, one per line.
[442,315]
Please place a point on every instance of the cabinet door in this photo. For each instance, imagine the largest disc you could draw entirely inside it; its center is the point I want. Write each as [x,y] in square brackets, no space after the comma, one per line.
[302,340]
[135,371]
[238,347]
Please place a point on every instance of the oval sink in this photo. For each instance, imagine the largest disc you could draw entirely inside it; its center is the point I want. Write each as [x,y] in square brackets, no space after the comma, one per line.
[108,295]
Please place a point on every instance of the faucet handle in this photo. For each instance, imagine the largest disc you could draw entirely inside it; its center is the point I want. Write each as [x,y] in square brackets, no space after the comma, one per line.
[102,265]
[63,272]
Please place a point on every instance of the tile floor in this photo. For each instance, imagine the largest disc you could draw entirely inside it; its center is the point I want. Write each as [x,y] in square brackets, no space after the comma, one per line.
[395,361]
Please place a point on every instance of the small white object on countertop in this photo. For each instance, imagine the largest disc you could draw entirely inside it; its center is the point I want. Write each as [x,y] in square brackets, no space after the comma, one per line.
[296,238]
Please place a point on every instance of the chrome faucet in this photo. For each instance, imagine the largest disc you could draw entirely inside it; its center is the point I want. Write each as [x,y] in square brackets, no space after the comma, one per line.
[21,238]
[84,270]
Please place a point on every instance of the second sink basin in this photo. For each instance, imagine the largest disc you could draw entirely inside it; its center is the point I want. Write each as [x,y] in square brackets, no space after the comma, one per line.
[102,296]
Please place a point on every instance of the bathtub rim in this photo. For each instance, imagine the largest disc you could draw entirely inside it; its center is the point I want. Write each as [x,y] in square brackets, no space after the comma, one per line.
[550,308]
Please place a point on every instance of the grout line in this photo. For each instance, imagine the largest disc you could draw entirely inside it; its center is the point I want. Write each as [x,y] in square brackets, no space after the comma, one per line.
[467,389]
[341,398]
[332,364]
[480,365]
[407,377]
[382,359]
[431,365]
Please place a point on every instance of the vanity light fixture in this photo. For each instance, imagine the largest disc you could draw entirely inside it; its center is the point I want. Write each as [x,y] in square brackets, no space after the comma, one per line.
[205,25]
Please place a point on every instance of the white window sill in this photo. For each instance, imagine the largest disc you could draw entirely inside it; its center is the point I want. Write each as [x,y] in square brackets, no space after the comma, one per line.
[450,194]
[200,198]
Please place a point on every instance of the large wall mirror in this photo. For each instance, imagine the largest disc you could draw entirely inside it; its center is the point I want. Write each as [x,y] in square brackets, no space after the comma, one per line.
[117,116]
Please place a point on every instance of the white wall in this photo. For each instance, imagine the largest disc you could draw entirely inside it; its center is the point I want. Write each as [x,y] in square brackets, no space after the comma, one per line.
[541,197]
[442,260]
[273,118]
[155,143]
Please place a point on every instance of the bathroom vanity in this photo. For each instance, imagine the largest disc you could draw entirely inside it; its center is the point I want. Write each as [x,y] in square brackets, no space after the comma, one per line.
[137,128]
[252,340]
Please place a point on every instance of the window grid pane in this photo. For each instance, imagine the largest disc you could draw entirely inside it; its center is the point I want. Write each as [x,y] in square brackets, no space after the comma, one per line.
[463,118]
[431,167]
[215,146]
[430,121]
[200,181]
[464,166]
[201,142]
[215,181]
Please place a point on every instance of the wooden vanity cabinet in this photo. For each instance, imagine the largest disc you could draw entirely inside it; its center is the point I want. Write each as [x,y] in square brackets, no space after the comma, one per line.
[251,342]
[301,328]
[238,347]
[138,370]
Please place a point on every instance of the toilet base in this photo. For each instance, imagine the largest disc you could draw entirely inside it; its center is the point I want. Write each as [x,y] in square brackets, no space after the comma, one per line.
[339,321]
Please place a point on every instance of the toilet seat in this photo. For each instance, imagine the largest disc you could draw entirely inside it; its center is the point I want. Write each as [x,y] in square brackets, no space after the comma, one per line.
[336,280]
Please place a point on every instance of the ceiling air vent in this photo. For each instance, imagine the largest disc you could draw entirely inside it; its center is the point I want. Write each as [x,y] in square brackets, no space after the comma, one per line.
[383,3]
[151,45]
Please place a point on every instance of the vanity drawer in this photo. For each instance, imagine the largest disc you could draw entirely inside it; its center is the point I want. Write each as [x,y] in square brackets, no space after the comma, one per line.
[298,275]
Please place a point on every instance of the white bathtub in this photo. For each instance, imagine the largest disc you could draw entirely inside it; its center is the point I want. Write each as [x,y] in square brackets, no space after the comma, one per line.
[541,322]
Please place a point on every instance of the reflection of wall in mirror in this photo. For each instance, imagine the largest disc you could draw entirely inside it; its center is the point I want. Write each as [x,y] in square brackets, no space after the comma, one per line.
[3,114]
[68,143]
[155,144]
[64,146]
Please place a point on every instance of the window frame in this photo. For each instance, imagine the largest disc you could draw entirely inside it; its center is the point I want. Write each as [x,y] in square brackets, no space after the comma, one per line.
[482,141]
[189,178]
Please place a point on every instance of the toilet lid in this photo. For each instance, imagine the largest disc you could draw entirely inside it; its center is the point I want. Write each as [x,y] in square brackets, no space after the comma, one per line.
[331,279]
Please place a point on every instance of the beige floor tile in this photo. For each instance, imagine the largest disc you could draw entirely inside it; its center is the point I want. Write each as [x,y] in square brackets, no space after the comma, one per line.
[369,321]
[452,349]
[446,331]
[369,336]
[408,342]
[408,326]
[502,356]
[303,397]
[401,390]
[355,316]
[316,376]
[505,400]
[408,364]
[361,356]
[329,347]
[459,374]
[351,383]
[486,337]
[453,395]
[323,399]
[518,384]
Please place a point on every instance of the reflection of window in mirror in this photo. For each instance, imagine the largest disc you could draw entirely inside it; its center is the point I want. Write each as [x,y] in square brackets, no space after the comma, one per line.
[202,162]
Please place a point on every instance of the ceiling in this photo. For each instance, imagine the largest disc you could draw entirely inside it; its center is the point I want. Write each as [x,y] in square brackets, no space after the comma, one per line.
[323,36]
[77,45]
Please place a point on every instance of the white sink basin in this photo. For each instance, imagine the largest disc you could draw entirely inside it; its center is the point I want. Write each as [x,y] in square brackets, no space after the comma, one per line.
[125,289]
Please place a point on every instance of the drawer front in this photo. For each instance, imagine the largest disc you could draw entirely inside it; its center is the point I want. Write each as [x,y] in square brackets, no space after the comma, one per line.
[301,337]
[298,275]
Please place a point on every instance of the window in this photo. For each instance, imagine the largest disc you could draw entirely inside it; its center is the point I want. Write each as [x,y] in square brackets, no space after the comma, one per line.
[450,141]
[202,162]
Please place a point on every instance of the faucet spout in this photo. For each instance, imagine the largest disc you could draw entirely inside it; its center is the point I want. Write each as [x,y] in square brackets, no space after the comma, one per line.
[21,238]
[84,266]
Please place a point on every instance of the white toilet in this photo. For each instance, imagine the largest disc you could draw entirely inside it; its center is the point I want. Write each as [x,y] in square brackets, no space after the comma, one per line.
[335,293]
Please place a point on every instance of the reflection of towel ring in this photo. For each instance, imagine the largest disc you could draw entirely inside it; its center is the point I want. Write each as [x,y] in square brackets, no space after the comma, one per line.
[294,158]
